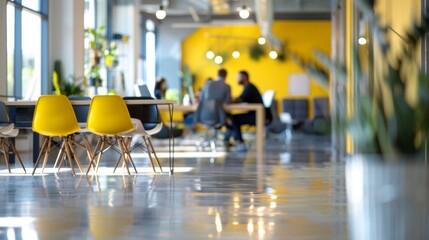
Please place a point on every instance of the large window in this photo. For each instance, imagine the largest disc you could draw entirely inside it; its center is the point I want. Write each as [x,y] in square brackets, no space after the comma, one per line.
[27,48]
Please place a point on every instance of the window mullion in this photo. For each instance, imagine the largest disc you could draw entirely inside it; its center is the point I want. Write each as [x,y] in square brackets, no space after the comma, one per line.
[17,55]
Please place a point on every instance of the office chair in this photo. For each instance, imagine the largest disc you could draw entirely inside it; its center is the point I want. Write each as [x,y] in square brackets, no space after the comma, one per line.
[7,134]
[54,117]
[108,117]
[210,113]
[146,119]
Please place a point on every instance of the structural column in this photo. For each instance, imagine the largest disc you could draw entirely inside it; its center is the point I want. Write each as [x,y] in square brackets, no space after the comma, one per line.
[66,36]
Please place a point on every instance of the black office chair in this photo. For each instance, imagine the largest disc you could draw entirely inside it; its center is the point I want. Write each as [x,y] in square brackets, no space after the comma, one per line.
[211,114]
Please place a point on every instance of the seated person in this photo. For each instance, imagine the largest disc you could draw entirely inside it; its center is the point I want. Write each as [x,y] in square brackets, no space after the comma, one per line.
[250,94]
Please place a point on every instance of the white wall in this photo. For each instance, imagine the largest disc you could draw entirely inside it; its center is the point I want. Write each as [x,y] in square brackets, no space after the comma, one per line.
[66,36]
[169,52]
[3,48]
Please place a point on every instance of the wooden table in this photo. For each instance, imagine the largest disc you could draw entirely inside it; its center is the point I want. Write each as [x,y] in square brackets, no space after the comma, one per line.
[260,118]
[21,114]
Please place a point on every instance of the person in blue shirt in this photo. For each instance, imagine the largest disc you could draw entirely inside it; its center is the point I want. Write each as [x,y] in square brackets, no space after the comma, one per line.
[250,94]
[160,88]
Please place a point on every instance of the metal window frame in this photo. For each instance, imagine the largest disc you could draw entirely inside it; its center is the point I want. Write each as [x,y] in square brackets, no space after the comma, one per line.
[17,55]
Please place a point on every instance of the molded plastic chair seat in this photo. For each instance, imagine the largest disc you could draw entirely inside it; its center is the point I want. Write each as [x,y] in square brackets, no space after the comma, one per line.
[109,117]
[54,117]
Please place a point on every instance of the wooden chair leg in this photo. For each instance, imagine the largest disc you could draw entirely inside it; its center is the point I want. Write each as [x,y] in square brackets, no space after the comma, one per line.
[88,149]
[40,155]
[117,163]
[69,156]
[91,160]
[45,160]
[149,154]
[75,156]
[127,144]
[12,146]
[154,153]
[60,154]
[103,143]
[120,145]
[6,154]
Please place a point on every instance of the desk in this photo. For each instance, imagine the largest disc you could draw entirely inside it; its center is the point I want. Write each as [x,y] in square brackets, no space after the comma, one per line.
[21,114]
[260,118]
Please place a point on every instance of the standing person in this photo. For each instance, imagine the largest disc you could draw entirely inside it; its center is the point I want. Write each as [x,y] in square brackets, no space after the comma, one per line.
[160,88]
[250,94]
[217,89]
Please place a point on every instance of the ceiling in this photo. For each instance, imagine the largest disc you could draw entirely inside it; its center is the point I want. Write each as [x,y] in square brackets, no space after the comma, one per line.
[211,11]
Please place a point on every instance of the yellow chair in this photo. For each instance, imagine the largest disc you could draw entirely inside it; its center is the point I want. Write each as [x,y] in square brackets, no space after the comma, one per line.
[108,117]
[54,117]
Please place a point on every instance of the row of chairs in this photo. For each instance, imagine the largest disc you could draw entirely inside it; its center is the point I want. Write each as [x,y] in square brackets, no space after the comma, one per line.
[107,116]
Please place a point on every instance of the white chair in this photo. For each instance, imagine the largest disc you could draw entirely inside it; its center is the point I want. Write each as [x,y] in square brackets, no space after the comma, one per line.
[7,133]
[286,118]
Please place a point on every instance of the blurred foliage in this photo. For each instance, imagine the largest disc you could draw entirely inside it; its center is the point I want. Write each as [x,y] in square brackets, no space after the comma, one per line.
[391,111]
[102,54]
[256,51]
[62,87]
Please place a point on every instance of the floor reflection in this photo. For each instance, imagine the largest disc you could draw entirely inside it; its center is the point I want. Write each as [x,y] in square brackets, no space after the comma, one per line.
[295,190]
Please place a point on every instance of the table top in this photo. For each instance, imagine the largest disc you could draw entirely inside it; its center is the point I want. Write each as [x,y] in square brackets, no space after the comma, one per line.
[87,102]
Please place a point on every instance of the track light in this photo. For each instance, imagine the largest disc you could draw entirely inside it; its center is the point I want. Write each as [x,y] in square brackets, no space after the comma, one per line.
[244,12]
[161,14]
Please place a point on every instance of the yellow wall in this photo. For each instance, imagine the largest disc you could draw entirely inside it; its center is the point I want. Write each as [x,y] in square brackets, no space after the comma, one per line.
[300,37]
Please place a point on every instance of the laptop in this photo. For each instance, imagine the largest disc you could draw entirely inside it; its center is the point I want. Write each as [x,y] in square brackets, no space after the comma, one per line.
[144,91]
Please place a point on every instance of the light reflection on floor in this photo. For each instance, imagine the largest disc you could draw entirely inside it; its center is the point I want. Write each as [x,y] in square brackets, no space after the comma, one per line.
[297,192]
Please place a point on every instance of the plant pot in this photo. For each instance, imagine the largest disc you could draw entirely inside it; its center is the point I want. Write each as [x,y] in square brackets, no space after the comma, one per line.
[387,199]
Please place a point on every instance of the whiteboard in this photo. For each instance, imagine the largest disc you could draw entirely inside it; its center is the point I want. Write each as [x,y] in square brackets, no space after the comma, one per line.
[299,84]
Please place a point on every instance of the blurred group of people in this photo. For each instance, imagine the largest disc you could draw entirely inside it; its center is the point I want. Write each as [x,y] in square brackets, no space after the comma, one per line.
[219,90]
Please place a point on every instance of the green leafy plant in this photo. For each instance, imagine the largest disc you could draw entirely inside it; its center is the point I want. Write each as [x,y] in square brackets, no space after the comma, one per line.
[391,113]
[102,54]
[62,87]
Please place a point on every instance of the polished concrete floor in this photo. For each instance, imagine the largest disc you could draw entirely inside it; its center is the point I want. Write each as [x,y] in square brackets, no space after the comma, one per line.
[295,191]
